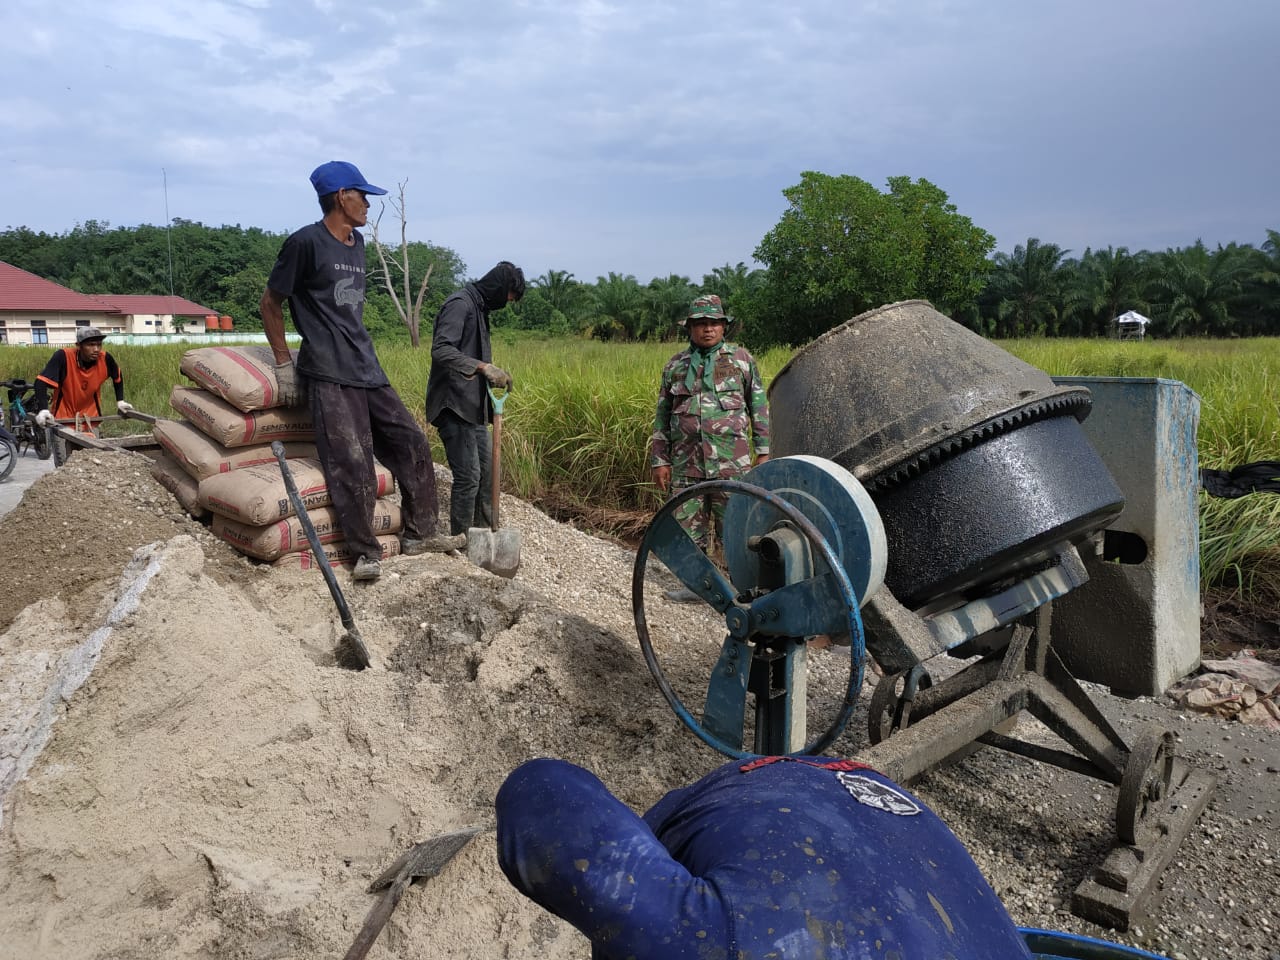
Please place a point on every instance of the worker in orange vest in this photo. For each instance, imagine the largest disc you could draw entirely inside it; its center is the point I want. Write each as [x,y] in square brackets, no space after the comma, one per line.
[76,374]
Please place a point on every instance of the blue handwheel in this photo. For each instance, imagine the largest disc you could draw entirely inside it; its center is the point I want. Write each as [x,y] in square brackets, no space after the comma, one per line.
[824,603]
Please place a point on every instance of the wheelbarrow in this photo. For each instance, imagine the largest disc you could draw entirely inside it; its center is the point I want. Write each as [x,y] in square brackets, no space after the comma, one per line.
[83,433]
[496,550]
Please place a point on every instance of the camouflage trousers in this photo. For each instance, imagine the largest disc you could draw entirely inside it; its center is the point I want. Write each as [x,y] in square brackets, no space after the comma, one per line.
[702,517]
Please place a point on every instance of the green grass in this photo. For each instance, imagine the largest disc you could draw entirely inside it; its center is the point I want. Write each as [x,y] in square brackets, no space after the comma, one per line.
[578,421]
[1237,381]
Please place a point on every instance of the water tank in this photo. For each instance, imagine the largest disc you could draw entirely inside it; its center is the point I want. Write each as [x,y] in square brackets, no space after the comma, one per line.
[1135,626]
[210,322]
[975,459]
[226,323]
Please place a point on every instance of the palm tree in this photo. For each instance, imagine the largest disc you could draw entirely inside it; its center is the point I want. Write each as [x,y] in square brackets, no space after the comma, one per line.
[618,305]
[667,301]
[733,284]
[1262,286]
[562,291]
[1193,290]
[1028,288]
[1105,284]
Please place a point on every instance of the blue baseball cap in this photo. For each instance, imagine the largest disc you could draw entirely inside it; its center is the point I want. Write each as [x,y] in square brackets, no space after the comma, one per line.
[339,175]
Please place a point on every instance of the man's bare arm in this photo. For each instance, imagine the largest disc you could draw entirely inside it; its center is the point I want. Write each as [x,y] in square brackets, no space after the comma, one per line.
[271,307]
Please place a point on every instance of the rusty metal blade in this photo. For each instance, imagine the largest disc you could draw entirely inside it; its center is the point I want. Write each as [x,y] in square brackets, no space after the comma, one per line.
[426,859]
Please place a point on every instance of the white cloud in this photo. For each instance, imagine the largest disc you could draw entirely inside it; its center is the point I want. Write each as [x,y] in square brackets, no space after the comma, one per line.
[598,132]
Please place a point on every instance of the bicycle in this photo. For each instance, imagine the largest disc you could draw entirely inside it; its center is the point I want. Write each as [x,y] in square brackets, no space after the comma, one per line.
[21,422]
[8,453]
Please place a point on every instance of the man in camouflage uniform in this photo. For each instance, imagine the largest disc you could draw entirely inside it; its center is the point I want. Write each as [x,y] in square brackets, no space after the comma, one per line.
[712,411]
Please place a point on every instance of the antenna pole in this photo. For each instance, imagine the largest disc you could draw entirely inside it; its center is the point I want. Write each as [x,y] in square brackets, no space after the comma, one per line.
[168,228]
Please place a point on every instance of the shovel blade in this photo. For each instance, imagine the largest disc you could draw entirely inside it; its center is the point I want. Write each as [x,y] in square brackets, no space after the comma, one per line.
[424,860]
[497,551]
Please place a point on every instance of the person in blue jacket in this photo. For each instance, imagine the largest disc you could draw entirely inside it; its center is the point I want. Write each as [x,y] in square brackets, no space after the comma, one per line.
[778,857]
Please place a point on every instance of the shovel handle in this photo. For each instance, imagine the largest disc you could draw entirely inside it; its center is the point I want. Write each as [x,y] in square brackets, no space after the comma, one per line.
[313,538]
[317,548]
[495,467]
[495,455]
[379,915]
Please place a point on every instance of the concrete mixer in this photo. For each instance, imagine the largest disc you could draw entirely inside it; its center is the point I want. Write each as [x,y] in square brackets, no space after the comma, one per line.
[929,498]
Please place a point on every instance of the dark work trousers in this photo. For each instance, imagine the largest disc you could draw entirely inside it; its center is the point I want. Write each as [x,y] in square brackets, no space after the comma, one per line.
[466,445]
[353,426]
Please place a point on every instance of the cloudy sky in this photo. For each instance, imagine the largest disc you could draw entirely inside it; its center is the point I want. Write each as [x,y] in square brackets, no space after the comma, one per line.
[645,137]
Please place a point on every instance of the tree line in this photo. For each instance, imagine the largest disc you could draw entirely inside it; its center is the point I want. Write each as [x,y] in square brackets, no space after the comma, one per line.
[841,247]
[224,268]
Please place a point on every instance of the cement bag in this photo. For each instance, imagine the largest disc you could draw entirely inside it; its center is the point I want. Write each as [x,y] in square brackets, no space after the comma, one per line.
[287,536]
[256,495]
[173,477]
[201,456]
[337,552]
[245,377]
[235,428]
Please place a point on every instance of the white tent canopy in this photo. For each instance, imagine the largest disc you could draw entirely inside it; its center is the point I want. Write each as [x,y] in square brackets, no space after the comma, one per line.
[1134,317]
[1131,325]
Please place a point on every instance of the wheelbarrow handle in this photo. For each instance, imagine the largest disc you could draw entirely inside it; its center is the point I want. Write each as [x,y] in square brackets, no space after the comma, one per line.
[139,415]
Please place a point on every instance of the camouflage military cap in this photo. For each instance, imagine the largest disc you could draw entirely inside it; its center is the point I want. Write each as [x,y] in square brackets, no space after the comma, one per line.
[707,305]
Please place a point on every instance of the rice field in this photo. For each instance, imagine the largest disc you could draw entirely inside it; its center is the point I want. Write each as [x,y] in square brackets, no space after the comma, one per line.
[578,421]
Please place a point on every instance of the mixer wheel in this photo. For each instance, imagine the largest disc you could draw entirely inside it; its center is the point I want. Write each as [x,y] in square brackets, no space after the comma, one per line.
[1145,785]
[888,711]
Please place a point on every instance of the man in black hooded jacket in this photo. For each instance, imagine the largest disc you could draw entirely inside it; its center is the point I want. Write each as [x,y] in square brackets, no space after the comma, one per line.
[457,397]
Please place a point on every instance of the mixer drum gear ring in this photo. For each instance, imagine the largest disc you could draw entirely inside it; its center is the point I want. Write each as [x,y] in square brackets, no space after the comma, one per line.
[975,459]
[1076,405]
[1145,785]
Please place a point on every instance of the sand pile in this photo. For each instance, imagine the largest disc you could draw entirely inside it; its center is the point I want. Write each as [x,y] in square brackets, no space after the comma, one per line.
[220,787]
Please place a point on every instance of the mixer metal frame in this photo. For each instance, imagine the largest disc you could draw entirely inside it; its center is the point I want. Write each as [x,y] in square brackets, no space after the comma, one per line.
[920,727]
[914,724]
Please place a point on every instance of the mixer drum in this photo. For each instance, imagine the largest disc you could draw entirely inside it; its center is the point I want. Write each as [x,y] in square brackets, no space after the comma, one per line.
[975,460]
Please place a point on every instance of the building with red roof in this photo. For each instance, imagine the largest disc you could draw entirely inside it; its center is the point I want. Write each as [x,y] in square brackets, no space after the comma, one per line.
[156,313]
[34,310]
[38,311]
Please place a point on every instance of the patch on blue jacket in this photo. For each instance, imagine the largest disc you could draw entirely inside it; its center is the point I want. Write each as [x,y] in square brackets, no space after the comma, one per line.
[882,796]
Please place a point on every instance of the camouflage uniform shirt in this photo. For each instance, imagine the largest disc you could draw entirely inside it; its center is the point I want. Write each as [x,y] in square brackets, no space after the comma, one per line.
[707,434]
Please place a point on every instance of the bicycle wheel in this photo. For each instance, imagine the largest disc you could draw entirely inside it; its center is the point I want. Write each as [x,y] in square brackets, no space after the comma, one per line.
[8,457]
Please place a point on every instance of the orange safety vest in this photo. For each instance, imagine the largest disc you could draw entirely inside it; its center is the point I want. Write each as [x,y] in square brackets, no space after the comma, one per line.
[78,391]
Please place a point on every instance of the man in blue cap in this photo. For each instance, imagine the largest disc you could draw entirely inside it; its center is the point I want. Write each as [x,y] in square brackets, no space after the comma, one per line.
[357,415]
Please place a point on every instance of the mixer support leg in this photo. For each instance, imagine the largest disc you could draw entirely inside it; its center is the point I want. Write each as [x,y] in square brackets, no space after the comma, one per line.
[1173,794]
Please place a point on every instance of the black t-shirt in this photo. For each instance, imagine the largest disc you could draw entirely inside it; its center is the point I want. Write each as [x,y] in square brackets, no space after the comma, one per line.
[324,281]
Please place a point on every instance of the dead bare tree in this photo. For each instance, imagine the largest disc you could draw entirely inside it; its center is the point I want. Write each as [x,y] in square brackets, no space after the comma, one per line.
[395,271]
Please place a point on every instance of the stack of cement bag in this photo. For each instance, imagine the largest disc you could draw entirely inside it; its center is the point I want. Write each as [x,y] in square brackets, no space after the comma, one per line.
[218,461]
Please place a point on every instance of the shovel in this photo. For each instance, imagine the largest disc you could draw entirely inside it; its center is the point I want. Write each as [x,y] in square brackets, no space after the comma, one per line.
[421,861]
[497,551]
[351,646]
